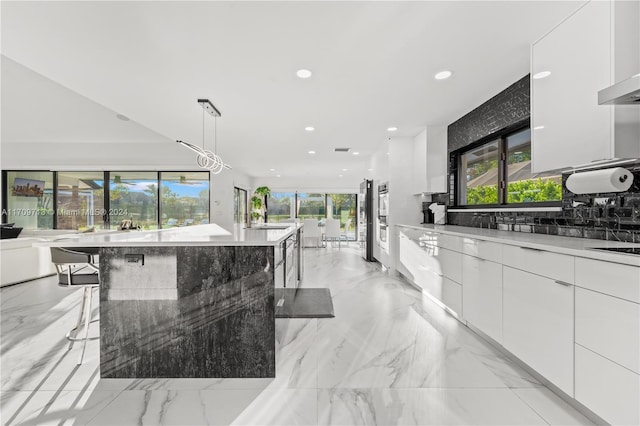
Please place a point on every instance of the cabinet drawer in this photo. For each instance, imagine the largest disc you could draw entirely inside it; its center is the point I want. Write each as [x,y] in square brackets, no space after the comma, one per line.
[609,326]
[610,278]
[452,295]
[450,263]
[450,242]
[414,234]
[482,295]
[538,324]
[482,249]
[609,390]
[545,263]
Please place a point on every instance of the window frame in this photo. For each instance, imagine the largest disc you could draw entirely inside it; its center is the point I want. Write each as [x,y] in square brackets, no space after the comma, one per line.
[503,184]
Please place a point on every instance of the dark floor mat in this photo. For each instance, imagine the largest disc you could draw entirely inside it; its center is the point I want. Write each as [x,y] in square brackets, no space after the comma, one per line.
[303,303]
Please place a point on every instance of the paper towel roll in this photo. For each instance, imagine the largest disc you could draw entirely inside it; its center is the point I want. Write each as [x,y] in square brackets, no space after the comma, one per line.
[617,179]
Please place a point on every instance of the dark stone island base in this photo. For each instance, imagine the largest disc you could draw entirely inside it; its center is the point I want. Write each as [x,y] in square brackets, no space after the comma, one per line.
[188,311]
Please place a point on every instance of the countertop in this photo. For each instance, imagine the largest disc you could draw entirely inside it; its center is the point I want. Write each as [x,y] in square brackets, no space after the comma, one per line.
[581,247]
[197,235]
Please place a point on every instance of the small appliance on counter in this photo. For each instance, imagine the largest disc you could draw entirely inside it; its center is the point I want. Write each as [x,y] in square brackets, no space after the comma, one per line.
[439,211]
[427,215]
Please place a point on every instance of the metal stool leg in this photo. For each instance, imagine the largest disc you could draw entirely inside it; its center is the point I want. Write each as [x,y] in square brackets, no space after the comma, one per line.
[88,292]
[74,331]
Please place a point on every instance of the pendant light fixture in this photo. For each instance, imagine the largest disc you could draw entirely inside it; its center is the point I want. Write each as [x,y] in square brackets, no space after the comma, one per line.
[207,159]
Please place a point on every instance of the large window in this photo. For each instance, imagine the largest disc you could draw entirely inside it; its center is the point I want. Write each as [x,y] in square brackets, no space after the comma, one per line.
[480,167]
[80,200]
[280,206]
[498,172]
[343,207]
[184,198]
[134,196]
[29,199]
[523,185]
[239,205]
[311,206]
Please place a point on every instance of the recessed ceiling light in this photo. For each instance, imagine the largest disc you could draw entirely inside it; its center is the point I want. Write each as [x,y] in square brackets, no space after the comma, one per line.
[369,170]
[339,175]
[344,170]
[443,75]
[272,170]
[538,128]
[541,74]
[303,73]
[122,117]
[355,153]
[312,152]
[392,129]
[277,175]
[309,129]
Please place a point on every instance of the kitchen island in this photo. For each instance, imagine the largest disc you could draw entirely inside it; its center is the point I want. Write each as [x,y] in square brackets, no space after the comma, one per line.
[194,302]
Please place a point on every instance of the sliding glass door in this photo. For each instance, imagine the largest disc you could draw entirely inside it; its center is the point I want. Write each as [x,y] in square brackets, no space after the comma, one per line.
[239,205]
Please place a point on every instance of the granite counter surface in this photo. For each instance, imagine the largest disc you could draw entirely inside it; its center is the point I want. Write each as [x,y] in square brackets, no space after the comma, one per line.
[581,247]
[198,235]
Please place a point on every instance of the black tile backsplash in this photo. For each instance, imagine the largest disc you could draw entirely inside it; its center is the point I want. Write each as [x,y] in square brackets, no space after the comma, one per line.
[607,216]
[509,107]
[611,216]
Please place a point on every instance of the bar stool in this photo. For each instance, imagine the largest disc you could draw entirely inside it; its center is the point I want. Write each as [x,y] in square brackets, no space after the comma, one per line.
[77,268]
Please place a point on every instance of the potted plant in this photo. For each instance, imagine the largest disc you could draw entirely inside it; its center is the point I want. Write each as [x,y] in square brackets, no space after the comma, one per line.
[259,204]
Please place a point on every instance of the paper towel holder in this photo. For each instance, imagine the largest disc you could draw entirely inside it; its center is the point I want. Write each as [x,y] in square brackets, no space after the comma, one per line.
[616,179]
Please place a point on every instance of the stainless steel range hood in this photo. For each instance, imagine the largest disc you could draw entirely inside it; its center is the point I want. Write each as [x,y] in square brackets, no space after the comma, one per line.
[626,92]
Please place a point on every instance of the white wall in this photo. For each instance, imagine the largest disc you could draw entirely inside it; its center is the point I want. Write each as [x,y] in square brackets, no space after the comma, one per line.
[222,195]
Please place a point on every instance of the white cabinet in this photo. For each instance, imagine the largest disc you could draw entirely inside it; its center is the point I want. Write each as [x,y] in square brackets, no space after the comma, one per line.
[618,280]
[609,326]
[538,324]
[542,262]
[482,295]
[429,167]
[419,170]
[606,388]
[569,127]
[436,270]
[437,159]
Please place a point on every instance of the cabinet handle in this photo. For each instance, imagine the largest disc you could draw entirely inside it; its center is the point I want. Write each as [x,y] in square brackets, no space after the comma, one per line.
[563,283]
[531,248]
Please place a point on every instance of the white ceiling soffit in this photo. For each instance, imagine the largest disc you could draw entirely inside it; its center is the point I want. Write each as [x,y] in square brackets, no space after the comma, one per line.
[373,65]
[36,110]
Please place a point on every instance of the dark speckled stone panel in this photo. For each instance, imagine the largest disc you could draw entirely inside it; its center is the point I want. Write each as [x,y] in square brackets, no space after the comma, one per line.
[509,107]
[215,320]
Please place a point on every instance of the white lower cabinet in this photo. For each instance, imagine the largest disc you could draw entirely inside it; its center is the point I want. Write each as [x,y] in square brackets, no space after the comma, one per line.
[482,295]
[538,324]
[452,295]
[609,326]
[606,388]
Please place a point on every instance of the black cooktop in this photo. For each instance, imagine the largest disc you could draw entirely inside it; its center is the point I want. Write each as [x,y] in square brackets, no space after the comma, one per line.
[627,250]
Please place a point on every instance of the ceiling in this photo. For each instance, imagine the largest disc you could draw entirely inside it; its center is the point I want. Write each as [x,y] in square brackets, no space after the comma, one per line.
[373,65]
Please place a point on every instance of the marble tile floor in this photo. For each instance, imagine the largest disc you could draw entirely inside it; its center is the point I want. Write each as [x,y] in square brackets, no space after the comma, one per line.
[389,357]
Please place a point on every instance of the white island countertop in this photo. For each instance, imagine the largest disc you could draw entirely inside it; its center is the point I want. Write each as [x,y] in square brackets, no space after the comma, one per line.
[197,235]
[582,247]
